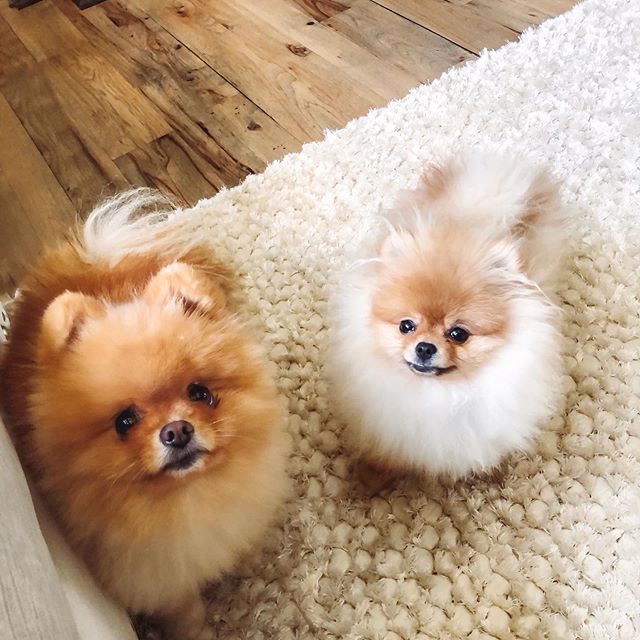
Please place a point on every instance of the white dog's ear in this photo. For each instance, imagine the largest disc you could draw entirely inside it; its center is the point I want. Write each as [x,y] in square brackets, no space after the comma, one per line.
[394,236]
[63,319]
[191,288]
[437,179]
[393,242]
[505,256]
[542,203]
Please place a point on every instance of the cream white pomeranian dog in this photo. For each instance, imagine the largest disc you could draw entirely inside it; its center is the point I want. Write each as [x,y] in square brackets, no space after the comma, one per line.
[445,351]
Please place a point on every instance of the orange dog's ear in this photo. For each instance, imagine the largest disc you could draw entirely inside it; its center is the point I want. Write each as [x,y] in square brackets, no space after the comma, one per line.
[182,282]
[64,318]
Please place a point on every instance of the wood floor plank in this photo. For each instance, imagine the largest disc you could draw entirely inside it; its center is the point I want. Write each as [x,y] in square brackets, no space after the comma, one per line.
[514,15]
[102,104]
[14,55]
[355,61]
[174,165]
[191,96]
[295,86]
[461,24]
[83,169]
[42,29]
[397,40]
[22,165]
[320,10]
[19,241]
[551,8]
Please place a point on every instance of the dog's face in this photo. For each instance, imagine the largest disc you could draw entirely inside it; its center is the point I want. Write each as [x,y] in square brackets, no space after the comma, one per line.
[440,302]
[161,387]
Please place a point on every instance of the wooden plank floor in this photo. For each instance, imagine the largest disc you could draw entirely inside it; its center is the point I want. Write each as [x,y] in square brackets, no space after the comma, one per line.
[193,95]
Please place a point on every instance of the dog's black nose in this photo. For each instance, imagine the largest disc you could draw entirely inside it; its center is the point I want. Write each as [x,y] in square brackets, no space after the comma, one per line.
[425,350]
[176,434]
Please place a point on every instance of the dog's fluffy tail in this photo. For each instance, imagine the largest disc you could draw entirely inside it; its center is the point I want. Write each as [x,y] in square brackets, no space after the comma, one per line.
[133,222]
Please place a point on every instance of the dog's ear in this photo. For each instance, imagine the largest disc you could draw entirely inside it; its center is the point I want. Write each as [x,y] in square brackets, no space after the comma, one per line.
[63,319]
[505,256]
[393,242]
[542,202]
[180,281]
[437,180]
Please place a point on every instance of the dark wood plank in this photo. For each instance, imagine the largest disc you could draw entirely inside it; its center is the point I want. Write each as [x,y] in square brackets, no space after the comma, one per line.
[22,165]
[103,106]
[14,55]
[193,95]
[418,51]
[186,168]
[19,241]
[83,169]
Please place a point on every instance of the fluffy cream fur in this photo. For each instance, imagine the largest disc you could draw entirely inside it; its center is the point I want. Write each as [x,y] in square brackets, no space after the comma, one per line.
[466,420]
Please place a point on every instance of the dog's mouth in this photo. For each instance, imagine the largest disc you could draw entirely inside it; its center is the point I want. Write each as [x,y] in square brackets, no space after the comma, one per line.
[425,370]
[182,460]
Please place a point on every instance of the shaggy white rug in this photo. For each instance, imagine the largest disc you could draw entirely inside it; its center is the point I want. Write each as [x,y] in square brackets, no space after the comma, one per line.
[555,552]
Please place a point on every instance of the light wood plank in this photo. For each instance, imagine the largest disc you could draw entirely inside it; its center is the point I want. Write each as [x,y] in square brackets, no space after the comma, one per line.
[295,86]
[459,23]
[356,62]
[514,15]
[42,29]
[551,8]
[320,10]
[420,52]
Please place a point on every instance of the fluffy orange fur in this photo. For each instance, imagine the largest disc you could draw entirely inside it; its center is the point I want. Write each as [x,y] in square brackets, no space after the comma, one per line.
[88,341]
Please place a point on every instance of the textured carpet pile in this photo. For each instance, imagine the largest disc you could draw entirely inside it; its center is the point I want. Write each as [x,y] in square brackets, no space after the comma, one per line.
[554,552]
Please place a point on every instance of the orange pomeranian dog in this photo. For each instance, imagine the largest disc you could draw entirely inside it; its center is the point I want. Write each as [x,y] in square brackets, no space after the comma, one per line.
[143,412]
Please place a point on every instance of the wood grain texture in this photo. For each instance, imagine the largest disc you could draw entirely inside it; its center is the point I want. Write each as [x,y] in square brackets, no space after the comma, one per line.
[340,52]
[419,52]
[461,23]
[106,109]
[193,95]
[300,89]
[83,169]
[14,55]
[322,9]
[182,166]
[43,30]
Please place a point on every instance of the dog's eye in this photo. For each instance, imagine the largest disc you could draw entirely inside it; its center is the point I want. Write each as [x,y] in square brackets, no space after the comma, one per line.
[125,420]
[407,326]
[200,393]
[458,335]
